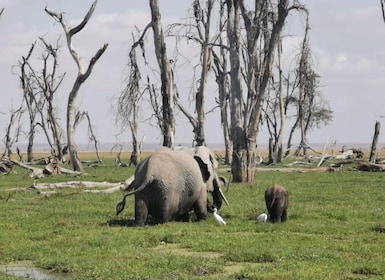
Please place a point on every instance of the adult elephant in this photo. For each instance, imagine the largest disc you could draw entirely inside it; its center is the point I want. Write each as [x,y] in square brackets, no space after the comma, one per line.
[169,183]
[277,202]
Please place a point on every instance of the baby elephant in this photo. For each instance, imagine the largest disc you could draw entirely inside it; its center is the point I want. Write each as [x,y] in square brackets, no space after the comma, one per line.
[277,201]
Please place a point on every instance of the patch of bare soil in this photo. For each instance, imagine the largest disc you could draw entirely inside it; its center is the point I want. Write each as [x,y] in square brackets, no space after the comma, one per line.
[229,268]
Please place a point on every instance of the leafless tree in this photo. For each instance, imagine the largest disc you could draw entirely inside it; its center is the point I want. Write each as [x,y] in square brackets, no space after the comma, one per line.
[79,117]
[166,75]
[131,95]
[383,9]
[275,111]
[13,130]
[83,74]
[312,110]
[197,30]
[128,102]
[263,27]
[222,77]
[203,26]
[39,87]
[48,82]
[29,94]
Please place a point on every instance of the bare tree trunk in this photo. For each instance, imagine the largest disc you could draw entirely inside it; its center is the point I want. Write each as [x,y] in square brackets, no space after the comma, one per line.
[167,89]
[28,85]
[222,79]
[245,134]
[238,134]
[136,145]
[206,53]
[373,150]
[81,77]
[282,112]
[71,117]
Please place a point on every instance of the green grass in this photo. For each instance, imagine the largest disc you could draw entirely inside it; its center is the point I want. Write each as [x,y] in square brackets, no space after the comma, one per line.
[335,230]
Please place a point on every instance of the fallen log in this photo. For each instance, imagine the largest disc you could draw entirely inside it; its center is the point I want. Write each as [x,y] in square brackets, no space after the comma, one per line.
[371,167]
[50,169]
[109,187]
[36,173]
[73,184]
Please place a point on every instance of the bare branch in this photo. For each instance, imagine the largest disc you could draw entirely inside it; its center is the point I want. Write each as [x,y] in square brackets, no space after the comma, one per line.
[92,63]
[383,9]
[79,27]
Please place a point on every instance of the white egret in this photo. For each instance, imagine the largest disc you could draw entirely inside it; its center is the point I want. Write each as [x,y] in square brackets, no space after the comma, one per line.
[218,218]
[262,217]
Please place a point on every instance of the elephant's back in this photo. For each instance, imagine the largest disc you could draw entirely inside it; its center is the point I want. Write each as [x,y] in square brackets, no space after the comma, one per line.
[173,167]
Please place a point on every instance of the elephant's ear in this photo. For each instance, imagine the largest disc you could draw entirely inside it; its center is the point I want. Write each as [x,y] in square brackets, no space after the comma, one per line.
[203,167]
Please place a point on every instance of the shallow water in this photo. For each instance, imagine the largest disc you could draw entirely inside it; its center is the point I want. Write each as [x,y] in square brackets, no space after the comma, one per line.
[27,270]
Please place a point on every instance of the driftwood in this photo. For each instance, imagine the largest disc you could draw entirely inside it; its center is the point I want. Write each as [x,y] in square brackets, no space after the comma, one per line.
[72,184]
[5,165]
[299,163]
[51,168]
[45,188]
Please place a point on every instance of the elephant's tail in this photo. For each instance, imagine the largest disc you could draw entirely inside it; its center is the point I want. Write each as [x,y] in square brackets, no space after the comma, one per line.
[272,202]
[120,206]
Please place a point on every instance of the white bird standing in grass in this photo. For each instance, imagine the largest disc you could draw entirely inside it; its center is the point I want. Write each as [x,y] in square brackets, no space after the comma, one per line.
[262,217]
[218,218]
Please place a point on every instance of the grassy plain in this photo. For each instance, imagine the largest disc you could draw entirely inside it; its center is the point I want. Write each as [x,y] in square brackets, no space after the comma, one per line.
[336,230]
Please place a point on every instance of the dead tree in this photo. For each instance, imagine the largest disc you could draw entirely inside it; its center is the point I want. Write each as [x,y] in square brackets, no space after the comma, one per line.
[166,75]
[202,21]
[263,27]
[48,83]
[128,102]
[13,130]
[275,112]
[27,85]
[312,109]
[373,150]
[164,110]
[306,86]
[79,117]
[222,77]
[82,76]
[38,87]
[197,30]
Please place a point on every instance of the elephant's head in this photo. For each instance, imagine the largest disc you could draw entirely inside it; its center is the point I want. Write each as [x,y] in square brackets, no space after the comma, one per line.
[209,171]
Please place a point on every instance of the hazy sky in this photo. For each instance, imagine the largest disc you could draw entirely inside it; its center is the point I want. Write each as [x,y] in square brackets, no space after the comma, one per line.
[347,39]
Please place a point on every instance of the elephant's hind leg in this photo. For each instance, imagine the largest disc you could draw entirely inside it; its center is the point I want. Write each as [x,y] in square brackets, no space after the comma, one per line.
[183,218]
[141,212]
[284,216]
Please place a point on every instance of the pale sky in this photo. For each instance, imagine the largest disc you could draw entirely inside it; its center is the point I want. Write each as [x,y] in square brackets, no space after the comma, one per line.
[347,38]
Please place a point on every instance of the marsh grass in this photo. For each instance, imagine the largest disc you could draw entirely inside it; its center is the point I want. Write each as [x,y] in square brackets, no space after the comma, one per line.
[336,230]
